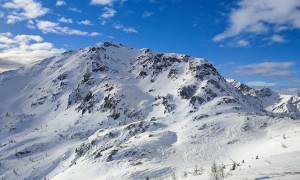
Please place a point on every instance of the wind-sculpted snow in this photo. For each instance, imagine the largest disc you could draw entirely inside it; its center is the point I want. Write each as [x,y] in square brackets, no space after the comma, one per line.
[116,112]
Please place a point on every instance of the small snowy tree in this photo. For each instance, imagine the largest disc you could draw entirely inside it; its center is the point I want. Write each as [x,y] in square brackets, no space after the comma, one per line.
[173,176]
[283,145]
[184,174]
[15,172]
[221,172]
[196,171]
[214,175]
[217,171]
[233,166]
[201,170]
[283,136]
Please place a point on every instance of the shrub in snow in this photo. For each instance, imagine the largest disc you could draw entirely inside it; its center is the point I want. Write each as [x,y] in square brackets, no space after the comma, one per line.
[221,168]
[233,166]
[217,172]
[184,174]
[196,171]
[283,145]
[173,176]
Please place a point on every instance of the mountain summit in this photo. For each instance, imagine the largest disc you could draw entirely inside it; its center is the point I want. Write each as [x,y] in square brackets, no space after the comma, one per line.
[115,112]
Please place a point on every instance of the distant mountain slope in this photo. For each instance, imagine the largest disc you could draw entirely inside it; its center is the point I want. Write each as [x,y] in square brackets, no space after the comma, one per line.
[271,101]
[115,112]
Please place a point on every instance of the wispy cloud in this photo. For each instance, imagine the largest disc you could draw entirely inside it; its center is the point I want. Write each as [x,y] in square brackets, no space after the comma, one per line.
[30,24]
[101,2]
[147,14]
[60,3]
[277,39]
[52,27]
[75,10]
[107,2]
[93,34]
[262,16]
[242,43]
[260,84]
[103,23]
[65,20]
[266,69]
[24,10]
[23,49]
[288,90]
[118,26]
[125,29]
[130,30]
[85,22]
[108,13]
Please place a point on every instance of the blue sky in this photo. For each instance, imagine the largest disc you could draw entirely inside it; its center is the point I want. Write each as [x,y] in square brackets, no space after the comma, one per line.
[253,41]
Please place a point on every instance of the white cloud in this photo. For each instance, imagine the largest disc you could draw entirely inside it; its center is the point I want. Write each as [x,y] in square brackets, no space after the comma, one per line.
[262,16]
[103,23]
[125,29]
[27,38]
[260,84]
[52,27]
[277,38]
[19,50]
[130,30]
[75,10]
[288,90]
[65,20]
[60,3]
[93,34]
[85,22]
[106,2]
[101,2]
[5,38]
[108,13]
[269,65]
[30,24]
[118,26]
[147,14]
[24,10]
[266,69]
[242,43]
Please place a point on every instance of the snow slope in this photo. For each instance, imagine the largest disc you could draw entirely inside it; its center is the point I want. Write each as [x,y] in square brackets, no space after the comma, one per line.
[115,112]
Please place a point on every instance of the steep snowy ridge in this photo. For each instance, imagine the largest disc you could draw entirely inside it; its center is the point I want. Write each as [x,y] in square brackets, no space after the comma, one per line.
[270,100]
[116,112]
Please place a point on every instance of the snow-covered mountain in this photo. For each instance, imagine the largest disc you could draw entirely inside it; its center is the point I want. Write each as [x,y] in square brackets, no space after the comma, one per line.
[115,112]
[270,100]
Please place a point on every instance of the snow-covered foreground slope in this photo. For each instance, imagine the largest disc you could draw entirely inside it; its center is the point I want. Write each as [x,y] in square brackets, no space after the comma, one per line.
[114,112]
